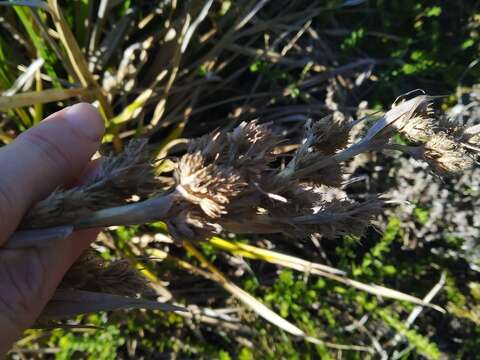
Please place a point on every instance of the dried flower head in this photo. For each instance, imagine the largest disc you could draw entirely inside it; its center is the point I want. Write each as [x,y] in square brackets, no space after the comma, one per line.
[116,181]
[331,134]
[419,128]
[412,118]
[207,185]
[446,156]
[474,140]
[91,272]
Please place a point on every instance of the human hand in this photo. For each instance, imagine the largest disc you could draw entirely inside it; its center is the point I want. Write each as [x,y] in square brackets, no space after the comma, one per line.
[54,153]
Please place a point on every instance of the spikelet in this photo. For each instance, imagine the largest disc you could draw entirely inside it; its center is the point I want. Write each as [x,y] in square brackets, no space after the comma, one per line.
[90,272]
[345,217]
[210,146]
[471,136]
[474,140]
[316,147]
[419,128]
[60,207]
[119,177]
[330,134]
[121,278]
[323,210]
[419,124]
[412,118]
[251,144]
[445,156]
[331,175]
[207,185]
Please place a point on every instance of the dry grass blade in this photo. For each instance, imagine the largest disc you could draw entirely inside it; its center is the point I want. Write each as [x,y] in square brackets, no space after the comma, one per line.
[133,109]
[177,57]
[316,269]
[274,257]
[67,303]
[26,78]
[97,29]
[246,16]
[245,297]
[43,97]
[76,57]
[250,14]
[418,309]
[263,311]
[191,29]
[386,292]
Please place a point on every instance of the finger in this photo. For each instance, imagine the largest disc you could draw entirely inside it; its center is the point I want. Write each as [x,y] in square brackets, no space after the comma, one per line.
[89,173]
[59,257]
[51,154]
[44,270]
[28,285]
[35,273]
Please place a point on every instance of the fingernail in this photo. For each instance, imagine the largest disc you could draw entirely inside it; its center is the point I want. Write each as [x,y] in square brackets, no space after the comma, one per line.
[86,119]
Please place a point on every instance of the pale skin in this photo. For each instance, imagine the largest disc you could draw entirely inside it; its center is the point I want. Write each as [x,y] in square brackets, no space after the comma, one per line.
[57,152]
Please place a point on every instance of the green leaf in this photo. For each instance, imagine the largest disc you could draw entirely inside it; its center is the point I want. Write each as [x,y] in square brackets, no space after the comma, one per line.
[434,11]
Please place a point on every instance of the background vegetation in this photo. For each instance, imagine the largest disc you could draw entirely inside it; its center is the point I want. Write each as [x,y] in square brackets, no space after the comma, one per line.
[177,69]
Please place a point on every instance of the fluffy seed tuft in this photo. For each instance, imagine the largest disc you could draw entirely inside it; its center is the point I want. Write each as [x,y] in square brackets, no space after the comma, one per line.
[446,156]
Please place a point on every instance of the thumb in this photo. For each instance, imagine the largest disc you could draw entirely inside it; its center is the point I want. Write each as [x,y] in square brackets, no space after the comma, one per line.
[49,155]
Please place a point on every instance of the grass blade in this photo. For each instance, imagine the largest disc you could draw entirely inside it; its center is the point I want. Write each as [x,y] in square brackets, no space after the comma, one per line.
[42,97]
[316,269]
[24,14]
[246,298]
[77,59]
[24,78]
[274,257]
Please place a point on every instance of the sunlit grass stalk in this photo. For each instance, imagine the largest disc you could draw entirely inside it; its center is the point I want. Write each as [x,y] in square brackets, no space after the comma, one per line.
[77,58]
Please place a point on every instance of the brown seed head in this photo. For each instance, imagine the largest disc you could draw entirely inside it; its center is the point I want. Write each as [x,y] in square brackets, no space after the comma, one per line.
[474,140]
[118,179]
[419,128]
[207,185]
[446,156]
[250,148]
[330,134]
[90,272]
[417,124]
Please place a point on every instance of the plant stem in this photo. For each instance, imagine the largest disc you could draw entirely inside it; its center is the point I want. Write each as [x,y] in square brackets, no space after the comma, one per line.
[132,214]
[142,212]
